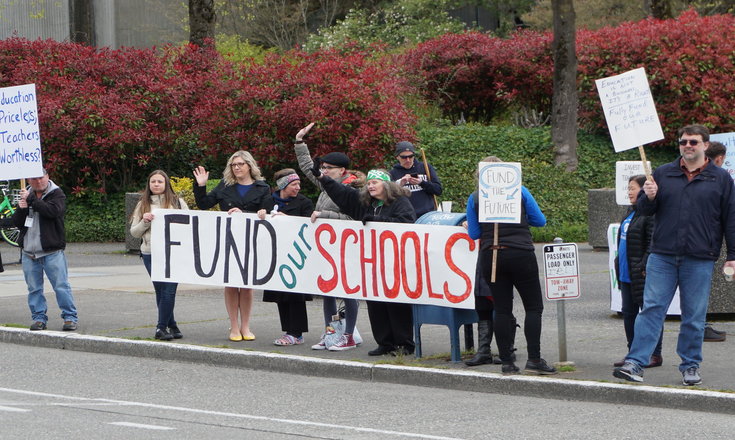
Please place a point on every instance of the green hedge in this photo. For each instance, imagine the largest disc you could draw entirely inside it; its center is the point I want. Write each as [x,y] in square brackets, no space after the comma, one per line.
[95,217]
[455,151]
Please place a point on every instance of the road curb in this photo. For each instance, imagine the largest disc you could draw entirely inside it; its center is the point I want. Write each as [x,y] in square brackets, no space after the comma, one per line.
[532,386]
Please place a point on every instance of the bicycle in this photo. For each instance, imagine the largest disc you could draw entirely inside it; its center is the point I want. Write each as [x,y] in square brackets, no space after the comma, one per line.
[7,208]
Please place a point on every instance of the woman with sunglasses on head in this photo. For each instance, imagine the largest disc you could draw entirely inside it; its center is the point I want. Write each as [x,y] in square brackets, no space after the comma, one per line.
[381,200]
[157,195]
[242,189]
[291,306]
[335,165]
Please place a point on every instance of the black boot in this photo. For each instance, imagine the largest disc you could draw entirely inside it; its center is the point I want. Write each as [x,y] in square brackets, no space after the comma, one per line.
[513,339]
[484,338]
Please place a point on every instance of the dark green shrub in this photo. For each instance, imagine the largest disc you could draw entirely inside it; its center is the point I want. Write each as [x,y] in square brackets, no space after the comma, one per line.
[95,217]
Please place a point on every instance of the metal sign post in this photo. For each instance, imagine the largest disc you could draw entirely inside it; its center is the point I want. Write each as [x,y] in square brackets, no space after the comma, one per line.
[561,271]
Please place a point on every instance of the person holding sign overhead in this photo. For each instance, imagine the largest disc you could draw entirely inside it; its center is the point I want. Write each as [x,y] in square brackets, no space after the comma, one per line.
[694,204]
[291,306]
[515,266]
[242,189]
[381,200]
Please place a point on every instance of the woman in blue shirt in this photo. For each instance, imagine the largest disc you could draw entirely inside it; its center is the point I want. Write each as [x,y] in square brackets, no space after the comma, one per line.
[634,242]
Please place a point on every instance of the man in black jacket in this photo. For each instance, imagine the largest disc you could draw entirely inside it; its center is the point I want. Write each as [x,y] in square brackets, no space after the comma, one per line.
[40,216]
[694,204]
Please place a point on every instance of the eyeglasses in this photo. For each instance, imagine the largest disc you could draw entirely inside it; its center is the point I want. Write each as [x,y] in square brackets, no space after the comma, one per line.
[410,156]
[328,167]
[692,142]
[238,165]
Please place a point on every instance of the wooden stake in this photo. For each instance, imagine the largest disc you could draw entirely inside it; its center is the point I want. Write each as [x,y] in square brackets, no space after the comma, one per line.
[646,168]
[495,253]
[428,175]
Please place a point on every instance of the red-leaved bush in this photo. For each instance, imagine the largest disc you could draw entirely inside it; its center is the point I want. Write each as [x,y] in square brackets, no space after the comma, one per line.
[108,117]
[690,62]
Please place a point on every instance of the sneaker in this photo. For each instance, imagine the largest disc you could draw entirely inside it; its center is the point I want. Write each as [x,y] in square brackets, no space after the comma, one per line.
[320,345]
[175,332]
[691,376]
[619,363]
[629,371]
[538,367]
[287,339]
[163,335]
[510,368]
[345,342]
[69,326]
[656,361]
[712,335]
[38,325]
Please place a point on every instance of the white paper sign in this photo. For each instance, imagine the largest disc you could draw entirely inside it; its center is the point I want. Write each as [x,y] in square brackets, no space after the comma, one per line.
[624,170]
[561,271]
[20,137]
[728,139]
[390,262]
[499,192]
[629,109]
[616,302]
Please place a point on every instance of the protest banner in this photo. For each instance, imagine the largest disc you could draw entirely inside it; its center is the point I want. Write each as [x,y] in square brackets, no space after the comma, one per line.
[20,138]
[616,302]
[390,262]
[624,170]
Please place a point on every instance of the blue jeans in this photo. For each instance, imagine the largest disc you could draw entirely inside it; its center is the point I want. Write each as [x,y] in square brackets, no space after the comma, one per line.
[165,297]
[663,274]
[54,265]
[630,311]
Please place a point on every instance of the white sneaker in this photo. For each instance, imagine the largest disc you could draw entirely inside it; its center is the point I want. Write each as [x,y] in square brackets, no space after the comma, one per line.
[320,345]
[345,343]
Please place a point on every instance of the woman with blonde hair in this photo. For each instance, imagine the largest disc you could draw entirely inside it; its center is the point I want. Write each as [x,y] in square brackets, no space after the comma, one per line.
[242,189]
[157,194]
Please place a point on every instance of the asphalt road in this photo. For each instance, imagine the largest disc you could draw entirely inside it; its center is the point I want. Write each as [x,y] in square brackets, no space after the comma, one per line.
[58,393]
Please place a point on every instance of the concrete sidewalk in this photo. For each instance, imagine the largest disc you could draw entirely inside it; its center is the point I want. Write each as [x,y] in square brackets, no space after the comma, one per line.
[117,315]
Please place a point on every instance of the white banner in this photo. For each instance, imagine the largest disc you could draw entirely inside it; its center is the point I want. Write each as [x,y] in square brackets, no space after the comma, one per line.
[391,262]
[499,192]
[629,109]
[20,137]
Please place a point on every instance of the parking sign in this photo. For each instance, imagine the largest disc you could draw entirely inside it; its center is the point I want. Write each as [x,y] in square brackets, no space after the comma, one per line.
[561,270]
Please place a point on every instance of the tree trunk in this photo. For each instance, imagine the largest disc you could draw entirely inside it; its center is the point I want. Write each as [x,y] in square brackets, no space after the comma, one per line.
[661,9]
[564,101]
[201,21]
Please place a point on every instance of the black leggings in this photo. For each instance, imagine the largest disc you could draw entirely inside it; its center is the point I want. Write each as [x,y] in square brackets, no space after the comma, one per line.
[515,268]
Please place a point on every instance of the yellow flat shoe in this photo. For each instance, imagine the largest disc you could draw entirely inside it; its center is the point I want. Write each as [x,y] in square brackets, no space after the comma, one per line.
[237,338]
[250,337]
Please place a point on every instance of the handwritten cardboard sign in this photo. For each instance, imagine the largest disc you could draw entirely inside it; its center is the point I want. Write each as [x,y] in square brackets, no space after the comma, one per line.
[20,137]
[390,262]
[499,192]
[629,109]
[728,139]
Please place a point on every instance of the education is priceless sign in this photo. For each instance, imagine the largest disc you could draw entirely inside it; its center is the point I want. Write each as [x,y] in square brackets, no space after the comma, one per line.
[393,262]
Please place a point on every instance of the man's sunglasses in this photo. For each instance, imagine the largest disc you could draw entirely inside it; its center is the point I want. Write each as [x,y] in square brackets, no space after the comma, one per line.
[692,142]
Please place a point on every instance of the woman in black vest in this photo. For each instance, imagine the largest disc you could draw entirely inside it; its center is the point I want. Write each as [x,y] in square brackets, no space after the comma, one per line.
[515,266]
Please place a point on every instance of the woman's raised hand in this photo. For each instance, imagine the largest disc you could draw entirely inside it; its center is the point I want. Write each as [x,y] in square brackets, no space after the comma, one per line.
[201,175]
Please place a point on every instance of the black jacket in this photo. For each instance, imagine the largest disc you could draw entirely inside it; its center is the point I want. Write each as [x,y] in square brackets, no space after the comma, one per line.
[301,206]
[638,244]
[49,212]
[691,217]
[348,200]
[259,197]
[422,195]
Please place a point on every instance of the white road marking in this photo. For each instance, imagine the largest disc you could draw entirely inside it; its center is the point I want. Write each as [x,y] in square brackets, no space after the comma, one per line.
[142,426]
[233,415]
[13,409]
